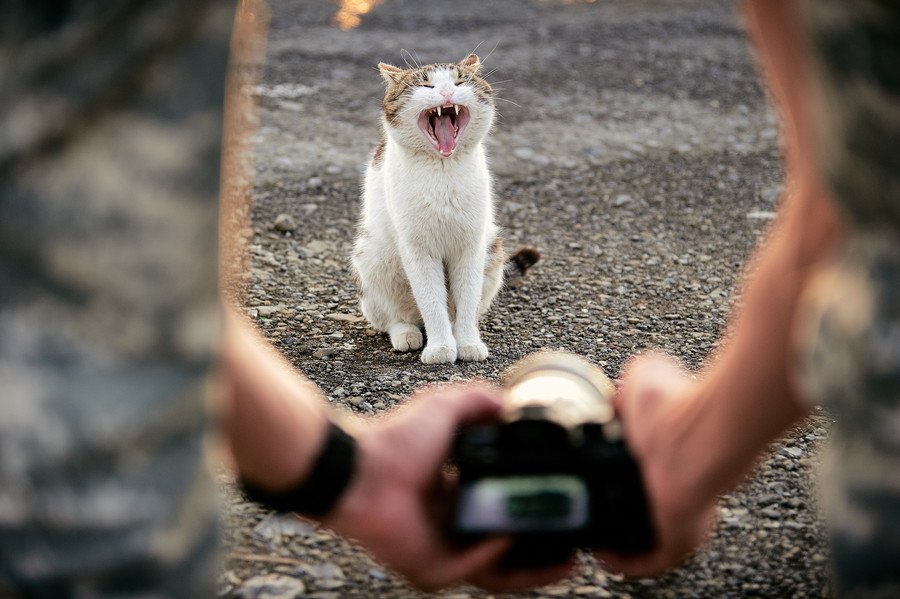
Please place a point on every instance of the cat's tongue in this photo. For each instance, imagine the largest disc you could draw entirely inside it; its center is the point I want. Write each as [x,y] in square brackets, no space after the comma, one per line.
[443,130]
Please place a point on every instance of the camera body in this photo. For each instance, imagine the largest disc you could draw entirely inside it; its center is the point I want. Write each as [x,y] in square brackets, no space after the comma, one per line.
[555,472]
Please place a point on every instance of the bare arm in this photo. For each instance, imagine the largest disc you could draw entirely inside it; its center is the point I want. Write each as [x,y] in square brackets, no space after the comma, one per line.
[275,419]
[697,439]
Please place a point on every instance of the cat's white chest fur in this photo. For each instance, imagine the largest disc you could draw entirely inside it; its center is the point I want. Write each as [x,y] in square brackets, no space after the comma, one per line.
[427,250]
[442,204]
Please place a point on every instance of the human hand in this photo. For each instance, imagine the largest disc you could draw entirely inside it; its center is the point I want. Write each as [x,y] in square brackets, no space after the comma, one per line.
[655,402]
[397,504]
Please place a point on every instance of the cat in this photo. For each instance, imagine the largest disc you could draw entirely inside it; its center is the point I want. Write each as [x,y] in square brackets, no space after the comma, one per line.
[427,249]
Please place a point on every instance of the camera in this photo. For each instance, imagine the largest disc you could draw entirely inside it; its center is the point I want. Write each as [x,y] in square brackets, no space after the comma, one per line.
[555,472]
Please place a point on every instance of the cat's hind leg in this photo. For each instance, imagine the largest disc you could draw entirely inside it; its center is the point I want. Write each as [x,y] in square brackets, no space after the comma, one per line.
[385,298]
[404,336]
[493,274]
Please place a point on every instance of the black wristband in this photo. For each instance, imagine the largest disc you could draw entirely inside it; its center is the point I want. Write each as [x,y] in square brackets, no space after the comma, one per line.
[318,493]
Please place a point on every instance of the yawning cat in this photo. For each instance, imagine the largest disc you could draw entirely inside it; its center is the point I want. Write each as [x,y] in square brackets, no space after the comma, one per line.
[427,225]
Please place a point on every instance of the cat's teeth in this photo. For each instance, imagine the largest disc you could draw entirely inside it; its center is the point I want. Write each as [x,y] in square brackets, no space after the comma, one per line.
[439,110]
[456,108]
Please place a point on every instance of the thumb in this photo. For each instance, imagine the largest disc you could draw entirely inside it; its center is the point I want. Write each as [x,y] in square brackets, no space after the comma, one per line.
[468,563]
[470,404]
[647,382]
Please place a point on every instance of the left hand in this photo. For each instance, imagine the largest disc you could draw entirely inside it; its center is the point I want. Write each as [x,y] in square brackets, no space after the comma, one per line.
[657,402]
[396,506]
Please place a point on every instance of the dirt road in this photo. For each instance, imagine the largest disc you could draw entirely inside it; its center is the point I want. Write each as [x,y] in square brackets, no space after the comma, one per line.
[634,148]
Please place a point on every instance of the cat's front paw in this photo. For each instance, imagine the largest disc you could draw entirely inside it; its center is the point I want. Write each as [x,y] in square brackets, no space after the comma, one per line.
[474,352]
[439,354]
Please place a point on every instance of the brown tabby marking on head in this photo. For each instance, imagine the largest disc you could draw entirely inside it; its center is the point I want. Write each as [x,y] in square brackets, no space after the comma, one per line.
[400,82]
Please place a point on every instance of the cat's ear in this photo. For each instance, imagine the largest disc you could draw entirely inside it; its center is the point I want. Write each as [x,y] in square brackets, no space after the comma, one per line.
[390,73]
[470,63]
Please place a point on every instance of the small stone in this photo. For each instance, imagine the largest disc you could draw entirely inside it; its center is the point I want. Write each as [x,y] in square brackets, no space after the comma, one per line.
[316,247]
[586,590]
[792,452]
[328,571]
[526,153]
[345,317]
[323,352]
[265,311]
[272,586]
[378,574]
[276,526]
[284,223]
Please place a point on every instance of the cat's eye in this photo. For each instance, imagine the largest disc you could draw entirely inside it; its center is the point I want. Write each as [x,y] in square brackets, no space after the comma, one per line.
[427,82]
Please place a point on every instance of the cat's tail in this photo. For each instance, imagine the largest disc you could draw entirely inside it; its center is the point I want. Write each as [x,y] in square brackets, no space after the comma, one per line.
[518,264]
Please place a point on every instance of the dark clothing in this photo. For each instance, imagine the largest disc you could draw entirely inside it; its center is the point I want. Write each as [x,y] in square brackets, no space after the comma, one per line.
[110,134]
[853,360]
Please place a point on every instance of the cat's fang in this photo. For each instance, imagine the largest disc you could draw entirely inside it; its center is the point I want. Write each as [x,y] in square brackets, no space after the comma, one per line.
[456,108]
[439,110]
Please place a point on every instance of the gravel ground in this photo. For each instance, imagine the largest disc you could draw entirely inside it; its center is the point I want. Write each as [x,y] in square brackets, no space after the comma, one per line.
[634,149]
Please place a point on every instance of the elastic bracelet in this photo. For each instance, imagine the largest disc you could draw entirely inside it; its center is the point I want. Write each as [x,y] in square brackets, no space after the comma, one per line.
[318,493]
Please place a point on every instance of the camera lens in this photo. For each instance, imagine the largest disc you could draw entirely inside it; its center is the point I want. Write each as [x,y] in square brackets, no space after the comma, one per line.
[559,387]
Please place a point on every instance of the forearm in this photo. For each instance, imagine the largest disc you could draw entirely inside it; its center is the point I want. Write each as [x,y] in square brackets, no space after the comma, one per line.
[276,420]
[746,397]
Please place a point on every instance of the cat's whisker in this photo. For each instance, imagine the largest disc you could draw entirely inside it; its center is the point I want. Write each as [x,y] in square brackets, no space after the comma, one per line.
[491,52]
[510,101]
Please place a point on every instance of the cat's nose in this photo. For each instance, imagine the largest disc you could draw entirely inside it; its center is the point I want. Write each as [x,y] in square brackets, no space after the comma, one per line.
[447,93]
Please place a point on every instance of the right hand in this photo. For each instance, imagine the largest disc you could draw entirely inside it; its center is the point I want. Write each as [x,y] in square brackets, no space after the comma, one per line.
[654,400]
[395,505]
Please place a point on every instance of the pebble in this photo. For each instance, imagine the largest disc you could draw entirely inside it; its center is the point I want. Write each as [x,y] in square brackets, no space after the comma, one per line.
[276,526]
[526,153]
[265,311]
[316,247]
[284,223]
[272,586]
[345,317]
[325,351]
[793,452]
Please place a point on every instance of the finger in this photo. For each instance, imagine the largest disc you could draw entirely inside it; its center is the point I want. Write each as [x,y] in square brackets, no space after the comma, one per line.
[647,380]
[471,403]
[464,564]
[508,581]
[631,566]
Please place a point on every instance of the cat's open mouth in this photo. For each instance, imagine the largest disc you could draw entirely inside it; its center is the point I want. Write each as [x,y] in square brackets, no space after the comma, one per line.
[443,125]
